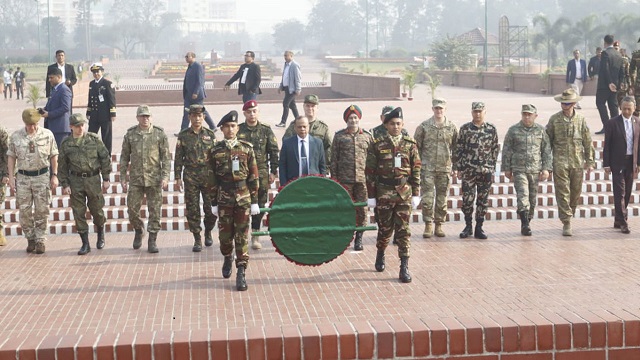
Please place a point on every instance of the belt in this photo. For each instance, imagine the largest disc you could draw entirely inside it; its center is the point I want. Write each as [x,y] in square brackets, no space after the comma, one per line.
[392,182]
[85,174]
[34,172]
[233,184]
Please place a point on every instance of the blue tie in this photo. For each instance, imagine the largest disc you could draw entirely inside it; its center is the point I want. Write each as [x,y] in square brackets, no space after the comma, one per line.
[303,159]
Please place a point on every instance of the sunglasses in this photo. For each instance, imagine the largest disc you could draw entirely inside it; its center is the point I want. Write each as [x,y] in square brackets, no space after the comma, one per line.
[566,104]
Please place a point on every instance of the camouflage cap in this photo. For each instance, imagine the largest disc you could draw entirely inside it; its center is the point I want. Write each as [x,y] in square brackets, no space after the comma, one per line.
[477,105]
[386,109]
[196,109]
[232,116]
[529,108]
[438,103]
[312,99]
[31,116]
[77,119]
[143,110]
[393,114]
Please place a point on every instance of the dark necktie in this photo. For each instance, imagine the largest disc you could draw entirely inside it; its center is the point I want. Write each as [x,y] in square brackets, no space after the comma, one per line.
[303,159]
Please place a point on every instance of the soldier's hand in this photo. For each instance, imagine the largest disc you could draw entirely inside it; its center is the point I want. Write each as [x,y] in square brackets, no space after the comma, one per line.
[544,175]
[124,186]
[5,180]
[255,209]
[613,87]
[54,182]
[105,186]
[179,185]
[454,173]
[194,96]
[272,178]
[12,184]
[415,201]
[607,170]
[588,168]
[214,210]
[113,118]
[165,185]
[225,88]
[66,190]
[459,175]
[508,175]
[371,203]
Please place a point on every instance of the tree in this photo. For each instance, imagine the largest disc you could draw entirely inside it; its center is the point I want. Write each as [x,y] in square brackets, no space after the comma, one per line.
[84,28]
[550,35]
[587,31]
[451,53]
[289,34]
[336,24]
[405,31]
[58,30]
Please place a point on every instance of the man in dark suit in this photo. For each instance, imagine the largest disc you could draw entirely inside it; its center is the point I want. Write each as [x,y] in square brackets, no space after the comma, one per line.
[58,109]
[68,73]
[249,76]
[101,106]
[594,64]
[621,158]
[301,155]
[609,79]
[576,73]
[193,90]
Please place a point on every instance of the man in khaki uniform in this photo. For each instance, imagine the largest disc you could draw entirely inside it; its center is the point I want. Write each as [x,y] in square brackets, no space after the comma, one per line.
[4,178]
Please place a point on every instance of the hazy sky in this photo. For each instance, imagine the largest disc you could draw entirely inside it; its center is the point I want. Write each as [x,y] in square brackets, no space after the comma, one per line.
[261,15]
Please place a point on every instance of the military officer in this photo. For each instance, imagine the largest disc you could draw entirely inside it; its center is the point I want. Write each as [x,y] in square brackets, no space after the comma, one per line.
[380,131]
[393,187]
[436,139]
[625,83]
[145,163]
[82,158]
[265,148]
[572,154]
[101,110]
[317,127]
[33,151]
[634,75]
[235,195]
[4,176]
[192,158]
[476,155]
[526,159]
[349,151]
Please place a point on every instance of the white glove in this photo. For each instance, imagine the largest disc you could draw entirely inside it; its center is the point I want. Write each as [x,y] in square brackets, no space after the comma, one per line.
[214,210]
[371,203]
[255,209]
[415,201]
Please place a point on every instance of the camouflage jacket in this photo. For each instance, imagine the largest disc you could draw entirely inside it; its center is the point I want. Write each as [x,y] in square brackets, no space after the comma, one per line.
[319,129]
[349,153]
[148,153]
[634,68]
[570,141]
[477,149]
[380,131]
[526,149]
[193,151]
[265,146]
[230,187]
[4,146]
[32,153]
[385,181]
[625,84]
[437,145]
[83,155]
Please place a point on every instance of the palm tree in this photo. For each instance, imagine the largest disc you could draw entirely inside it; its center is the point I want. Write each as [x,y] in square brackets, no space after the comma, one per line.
[588,30]
[551,35]
[624,28]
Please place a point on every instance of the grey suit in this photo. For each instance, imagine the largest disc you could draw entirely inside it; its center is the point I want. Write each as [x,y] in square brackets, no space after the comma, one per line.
[289,162]
[291,89]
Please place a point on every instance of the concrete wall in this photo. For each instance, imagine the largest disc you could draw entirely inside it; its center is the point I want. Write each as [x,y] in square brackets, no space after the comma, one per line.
[365,86]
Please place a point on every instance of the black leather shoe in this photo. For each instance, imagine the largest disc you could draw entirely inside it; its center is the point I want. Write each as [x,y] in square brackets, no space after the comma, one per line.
[281,125]
[380,261]
[625,229]
[226,266]
[616,225]
[600,132]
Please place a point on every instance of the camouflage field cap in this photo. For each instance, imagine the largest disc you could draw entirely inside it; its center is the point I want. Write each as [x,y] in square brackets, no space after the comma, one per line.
[477,105]
[438,103]
[529,108]
[77,119]
[568,96]
[312,99]
[31,116]
[196,109]
[232,116]
[143,110]
[393,114]
[352,109]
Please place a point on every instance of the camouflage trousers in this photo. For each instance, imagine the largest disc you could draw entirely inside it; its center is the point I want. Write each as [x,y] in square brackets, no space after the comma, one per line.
[526,185]
[263,196]
[636,95]
[33,195]
[3,190]
[86,192]
[435,185]
[154,205]
[394,215]
[568,188]
[472,182]
[196,185]
[233,226]
[358,192]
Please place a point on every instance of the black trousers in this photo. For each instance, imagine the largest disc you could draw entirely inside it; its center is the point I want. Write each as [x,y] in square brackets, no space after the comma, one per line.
[604,98]
[289,102]
[95,123]
[622,186]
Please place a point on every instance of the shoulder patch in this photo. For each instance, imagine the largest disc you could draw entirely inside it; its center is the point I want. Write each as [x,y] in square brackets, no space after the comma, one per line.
[132,128]
[159,128]
[265,125]
[341,131]
[409,139]
[245,143]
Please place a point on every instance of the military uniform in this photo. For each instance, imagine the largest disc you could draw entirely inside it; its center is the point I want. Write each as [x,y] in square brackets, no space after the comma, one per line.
[380,132]
[634,77]
[101,108]
[625,84]
[4,173]
[317,128]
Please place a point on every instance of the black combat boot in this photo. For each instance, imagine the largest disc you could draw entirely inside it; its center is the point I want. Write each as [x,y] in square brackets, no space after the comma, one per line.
[137,239]
[226,266]
[525,229]
[380,261]
[208,240]
[241,282]
[405,277]
[152,247]
[468,230]
[31,246]
[100,243]
[357,243]
[478,232]
[197,243]
[86,248]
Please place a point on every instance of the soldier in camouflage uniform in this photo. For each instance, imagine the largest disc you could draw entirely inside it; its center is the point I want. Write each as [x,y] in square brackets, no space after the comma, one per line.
[146,148]
[625,83]
[634,76]
[526,159]
[235,196]
[265,148]
[436,139]
[82,158]
[349,151]
[572,154]
[476,155]
[317,127]
[4,176]
[192,159]
[33,151]
[393,186]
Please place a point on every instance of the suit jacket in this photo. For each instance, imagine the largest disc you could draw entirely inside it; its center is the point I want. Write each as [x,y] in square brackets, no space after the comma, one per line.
[101,111]
[194,82]
[252,83]
[594,66]
[610,69]
[295,78]
[615,143]
[59,108]
[289,162]
[70,74]
[571,71]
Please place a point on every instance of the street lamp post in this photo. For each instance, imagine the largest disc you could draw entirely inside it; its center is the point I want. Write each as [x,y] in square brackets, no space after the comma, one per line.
[49,26]
[38,11]
[486,38]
